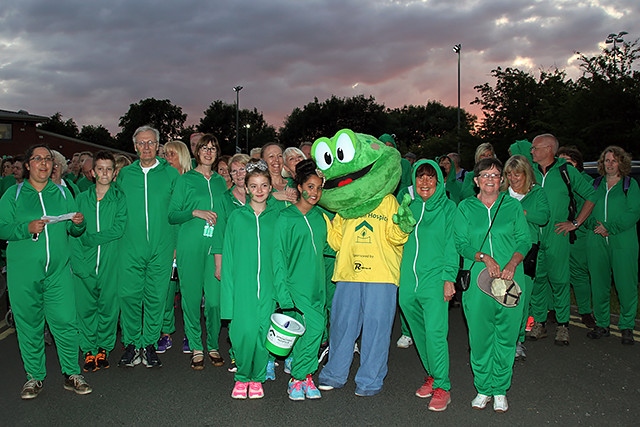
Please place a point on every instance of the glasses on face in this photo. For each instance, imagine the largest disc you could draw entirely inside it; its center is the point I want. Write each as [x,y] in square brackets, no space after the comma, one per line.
[534,148]
[57,165]
[208,149]
[146,143]
[490,175]
[237,171]
[40,159]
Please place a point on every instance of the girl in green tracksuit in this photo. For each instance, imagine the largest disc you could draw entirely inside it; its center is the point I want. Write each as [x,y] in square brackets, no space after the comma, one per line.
[247,294]
[520,183]
[38,273]
[95,263]
[493,328]
[427,274]
[613,243]
[298,263]
[197,195]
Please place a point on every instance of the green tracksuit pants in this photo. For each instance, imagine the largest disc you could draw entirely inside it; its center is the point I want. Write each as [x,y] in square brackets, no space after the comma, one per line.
[305,350]
[525,301]
[579,272]
[552,272]
[622,260]
[427,315]
[196,269]
[493,331]
[248,332]
[37,296]
[169,318]
[98,310]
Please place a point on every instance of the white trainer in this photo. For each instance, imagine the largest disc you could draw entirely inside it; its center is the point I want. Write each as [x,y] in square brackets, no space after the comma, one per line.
[500,403]
[404,342]
[480,401]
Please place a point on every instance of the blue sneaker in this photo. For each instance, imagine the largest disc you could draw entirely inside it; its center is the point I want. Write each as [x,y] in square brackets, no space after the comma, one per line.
[185,346]
[164,344]
[310,389]
[295,389]
[271,370]
[287,365]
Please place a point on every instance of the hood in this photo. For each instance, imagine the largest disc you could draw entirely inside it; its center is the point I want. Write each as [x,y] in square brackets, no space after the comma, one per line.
[440,195]
[522,147]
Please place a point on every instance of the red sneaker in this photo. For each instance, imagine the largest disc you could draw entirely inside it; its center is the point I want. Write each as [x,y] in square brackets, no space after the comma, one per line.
[426,390]
[529,325]
[440,400]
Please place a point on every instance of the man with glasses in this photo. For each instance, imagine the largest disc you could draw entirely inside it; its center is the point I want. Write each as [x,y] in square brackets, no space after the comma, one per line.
[559,182]
[146,249]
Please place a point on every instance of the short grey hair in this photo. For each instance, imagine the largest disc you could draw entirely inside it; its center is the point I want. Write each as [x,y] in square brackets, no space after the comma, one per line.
[146,128]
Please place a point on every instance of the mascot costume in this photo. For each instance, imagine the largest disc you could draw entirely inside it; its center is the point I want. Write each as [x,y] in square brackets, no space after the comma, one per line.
[368,234]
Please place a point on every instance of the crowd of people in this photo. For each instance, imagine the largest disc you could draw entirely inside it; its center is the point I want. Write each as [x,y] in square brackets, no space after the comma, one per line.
[238,236]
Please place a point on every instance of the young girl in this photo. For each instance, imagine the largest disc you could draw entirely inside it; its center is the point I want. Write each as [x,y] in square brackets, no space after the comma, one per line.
[247,280]
[298,263]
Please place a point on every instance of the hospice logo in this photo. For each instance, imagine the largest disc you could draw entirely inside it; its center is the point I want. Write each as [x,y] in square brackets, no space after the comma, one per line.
[364,231]
[359,266]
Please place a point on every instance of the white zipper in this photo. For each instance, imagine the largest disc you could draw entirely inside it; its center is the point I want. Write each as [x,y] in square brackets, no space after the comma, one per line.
[98,230]
[415,258]
[46,233]
[312,239]
[258,233]
[146,205]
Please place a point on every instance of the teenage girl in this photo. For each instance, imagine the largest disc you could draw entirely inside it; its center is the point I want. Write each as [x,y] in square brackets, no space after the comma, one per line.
[298,262]
[247,293]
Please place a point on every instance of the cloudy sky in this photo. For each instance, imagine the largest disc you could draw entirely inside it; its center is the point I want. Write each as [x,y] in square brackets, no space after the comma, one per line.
[90,59]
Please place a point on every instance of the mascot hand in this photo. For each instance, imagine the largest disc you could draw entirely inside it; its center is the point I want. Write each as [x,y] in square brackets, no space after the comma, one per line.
[404,217]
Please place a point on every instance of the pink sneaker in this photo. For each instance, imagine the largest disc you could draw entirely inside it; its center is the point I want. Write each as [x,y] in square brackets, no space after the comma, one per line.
[440,400]
[426,390]
[240,390]
[255,390]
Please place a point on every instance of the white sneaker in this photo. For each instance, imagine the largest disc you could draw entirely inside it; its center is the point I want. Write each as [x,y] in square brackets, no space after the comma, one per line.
[480,401]
[356,349]
[404,342]
[500,403]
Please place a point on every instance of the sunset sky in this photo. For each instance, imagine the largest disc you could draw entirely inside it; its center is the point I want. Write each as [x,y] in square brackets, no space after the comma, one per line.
[90,59]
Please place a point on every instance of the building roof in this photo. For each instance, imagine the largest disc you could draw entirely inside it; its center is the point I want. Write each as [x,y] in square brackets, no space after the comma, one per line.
[21,115]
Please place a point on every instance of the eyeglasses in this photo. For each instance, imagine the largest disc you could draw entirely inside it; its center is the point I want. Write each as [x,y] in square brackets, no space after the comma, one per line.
[57,165]
[146,143]
[490,175]
[237,171]
[534,148]
[208,149]
[39,159]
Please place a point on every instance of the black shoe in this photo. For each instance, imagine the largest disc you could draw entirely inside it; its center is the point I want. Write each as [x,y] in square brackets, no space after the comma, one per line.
[598,333]
[89,362]
[130,358]
[150,357]
[627,337]
[551,316]
[588,320]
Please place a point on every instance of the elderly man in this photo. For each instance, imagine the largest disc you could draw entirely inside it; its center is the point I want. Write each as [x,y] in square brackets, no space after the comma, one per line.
[561,184]
[146,249]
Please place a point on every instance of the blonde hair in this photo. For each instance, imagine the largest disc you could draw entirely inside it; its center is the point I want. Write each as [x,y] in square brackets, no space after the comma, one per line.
[483,148]
[519,164]
[623,158]
[184,159]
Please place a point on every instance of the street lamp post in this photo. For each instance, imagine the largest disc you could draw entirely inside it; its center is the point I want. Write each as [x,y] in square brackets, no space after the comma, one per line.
[247,126]
[237,90]
[456,49]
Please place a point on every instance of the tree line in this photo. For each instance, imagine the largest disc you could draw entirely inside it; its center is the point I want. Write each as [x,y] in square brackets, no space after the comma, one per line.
[600,108]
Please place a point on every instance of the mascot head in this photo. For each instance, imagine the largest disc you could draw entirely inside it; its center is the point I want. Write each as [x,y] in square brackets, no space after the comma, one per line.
[359,170]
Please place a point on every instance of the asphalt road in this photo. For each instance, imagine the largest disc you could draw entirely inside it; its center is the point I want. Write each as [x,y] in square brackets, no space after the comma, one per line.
[587,383]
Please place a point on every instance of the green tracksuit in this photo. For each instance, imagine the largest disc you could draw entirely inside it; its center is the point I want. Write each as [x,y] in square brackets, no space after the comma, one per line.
[38,274]
[247,293]
[553,258]
[6,183]
[84,183]
[617,253]
[536,212]
[194,256]
[146,251]
[578,266]
[96,268]
[430,259]
[299,278]
[469,188]
[73,188]
[493,328]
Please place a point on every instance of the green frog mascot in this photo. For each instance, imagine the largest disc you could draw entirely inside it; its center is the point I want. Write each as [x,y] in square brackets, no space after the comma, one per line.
[368,233]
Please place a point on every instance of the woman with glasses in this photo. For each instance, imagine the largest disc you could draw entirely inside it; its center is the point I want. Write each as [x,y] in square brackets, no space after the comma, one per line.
[38,273]
[193,207]
[493,327]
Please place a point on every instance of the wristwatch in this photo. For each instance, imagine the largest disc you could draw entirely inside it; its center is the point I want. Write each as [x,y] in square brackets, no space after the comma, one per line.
[575,223]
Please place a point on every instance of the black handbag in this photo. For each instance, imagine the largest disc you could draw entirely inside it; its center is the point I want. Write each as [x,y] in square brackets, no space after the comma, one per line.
[463,280]
[531,260]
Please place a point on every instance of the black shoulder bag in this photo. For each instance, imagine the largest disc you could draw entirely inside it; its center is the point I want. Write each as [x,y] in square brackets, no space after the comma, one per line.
[464,276]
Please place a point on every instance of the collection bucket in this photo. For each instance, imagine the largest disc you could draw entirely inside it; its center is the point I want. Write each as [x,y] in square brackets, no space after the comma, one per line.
[283,333]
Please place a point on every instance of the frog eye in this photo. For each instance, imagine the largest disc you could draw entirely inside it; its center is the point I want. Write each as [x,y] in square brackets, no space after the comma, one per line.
[323,156]
[344,149]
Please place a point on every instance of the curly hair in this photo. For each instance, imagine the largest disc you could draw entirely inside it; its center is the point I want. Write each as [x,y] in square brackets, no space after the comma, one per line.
[623,158]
